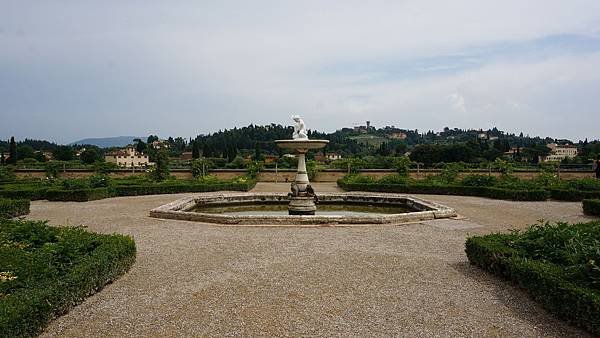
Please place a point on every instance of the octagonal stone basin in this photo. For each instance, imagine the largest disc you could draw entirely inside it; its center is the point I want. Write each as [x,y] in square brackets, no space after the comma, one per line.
[202,209]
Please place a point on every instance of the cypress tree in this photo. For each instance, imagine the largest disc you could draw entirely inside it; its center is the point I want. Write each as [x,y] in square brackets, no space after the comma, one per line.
[12,151]
[195,150]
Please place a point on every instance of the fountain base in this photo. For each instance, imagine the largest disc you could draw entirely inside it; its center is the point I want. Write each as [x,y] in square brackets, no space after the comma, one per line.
[300,205]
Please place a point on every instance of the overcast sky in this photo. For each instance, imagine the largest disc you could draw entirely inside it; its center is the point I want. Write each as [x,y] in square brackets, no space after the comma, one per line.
[76,69]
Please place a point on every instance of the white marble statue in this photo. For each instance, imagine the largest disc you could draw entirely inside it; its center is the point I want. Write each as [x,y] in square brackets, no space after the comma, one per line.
[299,129]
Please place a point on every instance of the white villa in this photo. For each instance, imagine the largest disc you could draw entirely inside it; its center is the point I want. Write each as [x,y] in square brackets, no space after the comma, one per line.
[128,158]
[558,152]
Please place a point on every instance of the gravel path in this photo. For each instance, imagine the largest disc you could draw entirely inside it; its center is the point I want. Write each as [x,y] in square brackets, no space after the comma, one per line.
[412,280]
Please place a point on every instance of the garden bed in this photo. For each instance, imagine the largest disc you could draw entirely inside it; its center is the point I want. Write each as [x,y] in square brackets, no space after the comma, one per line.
[558,264]
[591,207]
[81,190]
[10,208]
[45,271]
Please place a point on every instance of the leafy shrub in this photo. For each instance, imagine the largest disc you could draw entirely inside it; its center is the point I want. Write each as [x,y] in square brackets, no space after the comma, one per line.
[48,270]
[254,168]
[591,207]
[587,184]
[99,181]
[13,208]
[450,172]
[75,184]
[201,166]
[356,178]
[402,165]
[52,169]
[395,179]
[556,263]
[505,167]
[479,181]
[7,174]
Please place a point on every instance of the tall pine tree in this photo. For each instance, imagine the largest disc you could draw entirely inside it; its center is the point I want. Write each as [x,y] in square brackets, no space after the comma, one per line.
[12,151]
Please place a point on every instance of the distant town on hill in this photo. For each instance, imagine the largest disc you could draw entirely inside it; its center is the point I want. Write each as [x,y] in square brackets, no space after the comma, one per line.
[429,147]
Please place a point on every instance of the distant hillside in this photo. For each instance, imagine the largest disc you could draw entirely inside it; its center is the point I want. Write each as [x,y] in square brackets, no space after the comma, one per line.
[107,142]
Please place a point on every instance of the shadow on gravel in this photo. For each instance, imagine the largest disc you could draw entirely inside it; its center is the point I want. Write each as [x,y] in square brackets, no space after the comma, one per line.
[519,301]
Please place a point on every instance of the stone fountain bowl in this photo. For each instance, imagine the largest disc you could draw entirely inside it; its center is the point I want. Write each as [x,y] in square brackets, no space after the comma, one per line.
[301,144]
[186,209]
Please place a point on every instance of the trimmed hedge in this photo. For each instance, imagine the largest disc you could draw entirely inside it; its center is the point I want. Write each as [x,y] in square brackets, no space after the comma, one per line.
[591,207]
[54,269]
[90,194]
[78,195]
[153,189]
[573,195]
[496,193]
[13,208]
[550,284]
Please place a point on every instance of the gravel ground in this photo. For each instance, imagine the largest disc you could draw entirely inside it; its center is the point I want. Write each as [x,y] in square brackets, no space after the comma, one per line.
[411,280]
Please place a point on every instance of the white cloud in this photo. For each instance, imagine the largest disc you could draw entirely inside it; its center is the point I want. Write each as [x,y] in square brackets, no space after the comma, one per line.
[189,67]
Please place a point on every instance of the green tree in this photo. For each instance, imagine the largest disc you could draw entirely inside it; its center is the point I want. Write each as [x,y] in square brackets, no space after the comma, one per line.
[12,151]
[195,150]
[89,156]
[25,151]
[63,153]
[40,157]
[201,166]
[257,152]
[140,146]
[402,165]
[160,171]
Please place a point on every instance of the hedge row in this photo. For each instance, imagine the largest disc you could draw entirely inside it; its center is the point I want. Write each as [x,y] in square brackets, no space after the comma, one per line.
[546,282]
[496,193]
[81,195]
[25,311]
[148,189]
[573,195]
[12,208]
[591,207]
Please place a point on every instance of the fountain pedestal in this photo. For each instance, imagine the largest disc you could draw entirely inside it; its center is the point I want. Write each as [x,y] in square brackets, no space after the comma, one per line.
[302,199]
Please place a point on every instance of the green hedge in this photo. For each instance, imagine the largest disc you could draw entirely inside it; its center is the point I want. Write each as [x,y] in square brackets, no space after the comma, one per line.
[496,193]
[544,260]
[153,189]
[55,268]
[591,207]
[78,195]
[573,194]
[24,193]
[89,194]
[13,208]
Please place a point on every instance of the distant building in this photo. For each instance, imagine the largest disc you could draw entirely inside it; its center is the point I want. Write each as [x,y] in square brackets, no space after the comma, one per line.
[160,144]
[333,156]
[512,154]
[559,152]
[364,129]
[128,158]
[397,136]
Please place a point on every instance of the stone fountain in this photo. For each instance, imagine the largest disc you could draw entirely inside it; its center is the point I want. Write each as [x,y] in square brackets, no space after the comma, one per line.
[302,197]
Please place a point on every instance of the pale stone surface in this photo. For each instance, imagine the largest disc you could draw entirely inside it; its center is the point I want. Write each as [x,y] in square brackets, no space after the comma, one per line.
[413,280]
[422,209]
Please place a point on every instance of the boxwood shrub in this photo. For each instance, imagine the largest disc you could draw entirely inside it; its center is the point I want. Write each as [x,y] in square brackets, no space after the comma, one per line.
[13,208]
[60,193]
[591,207]
[557,264]
[496,193]
[573,194]
[48,270]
